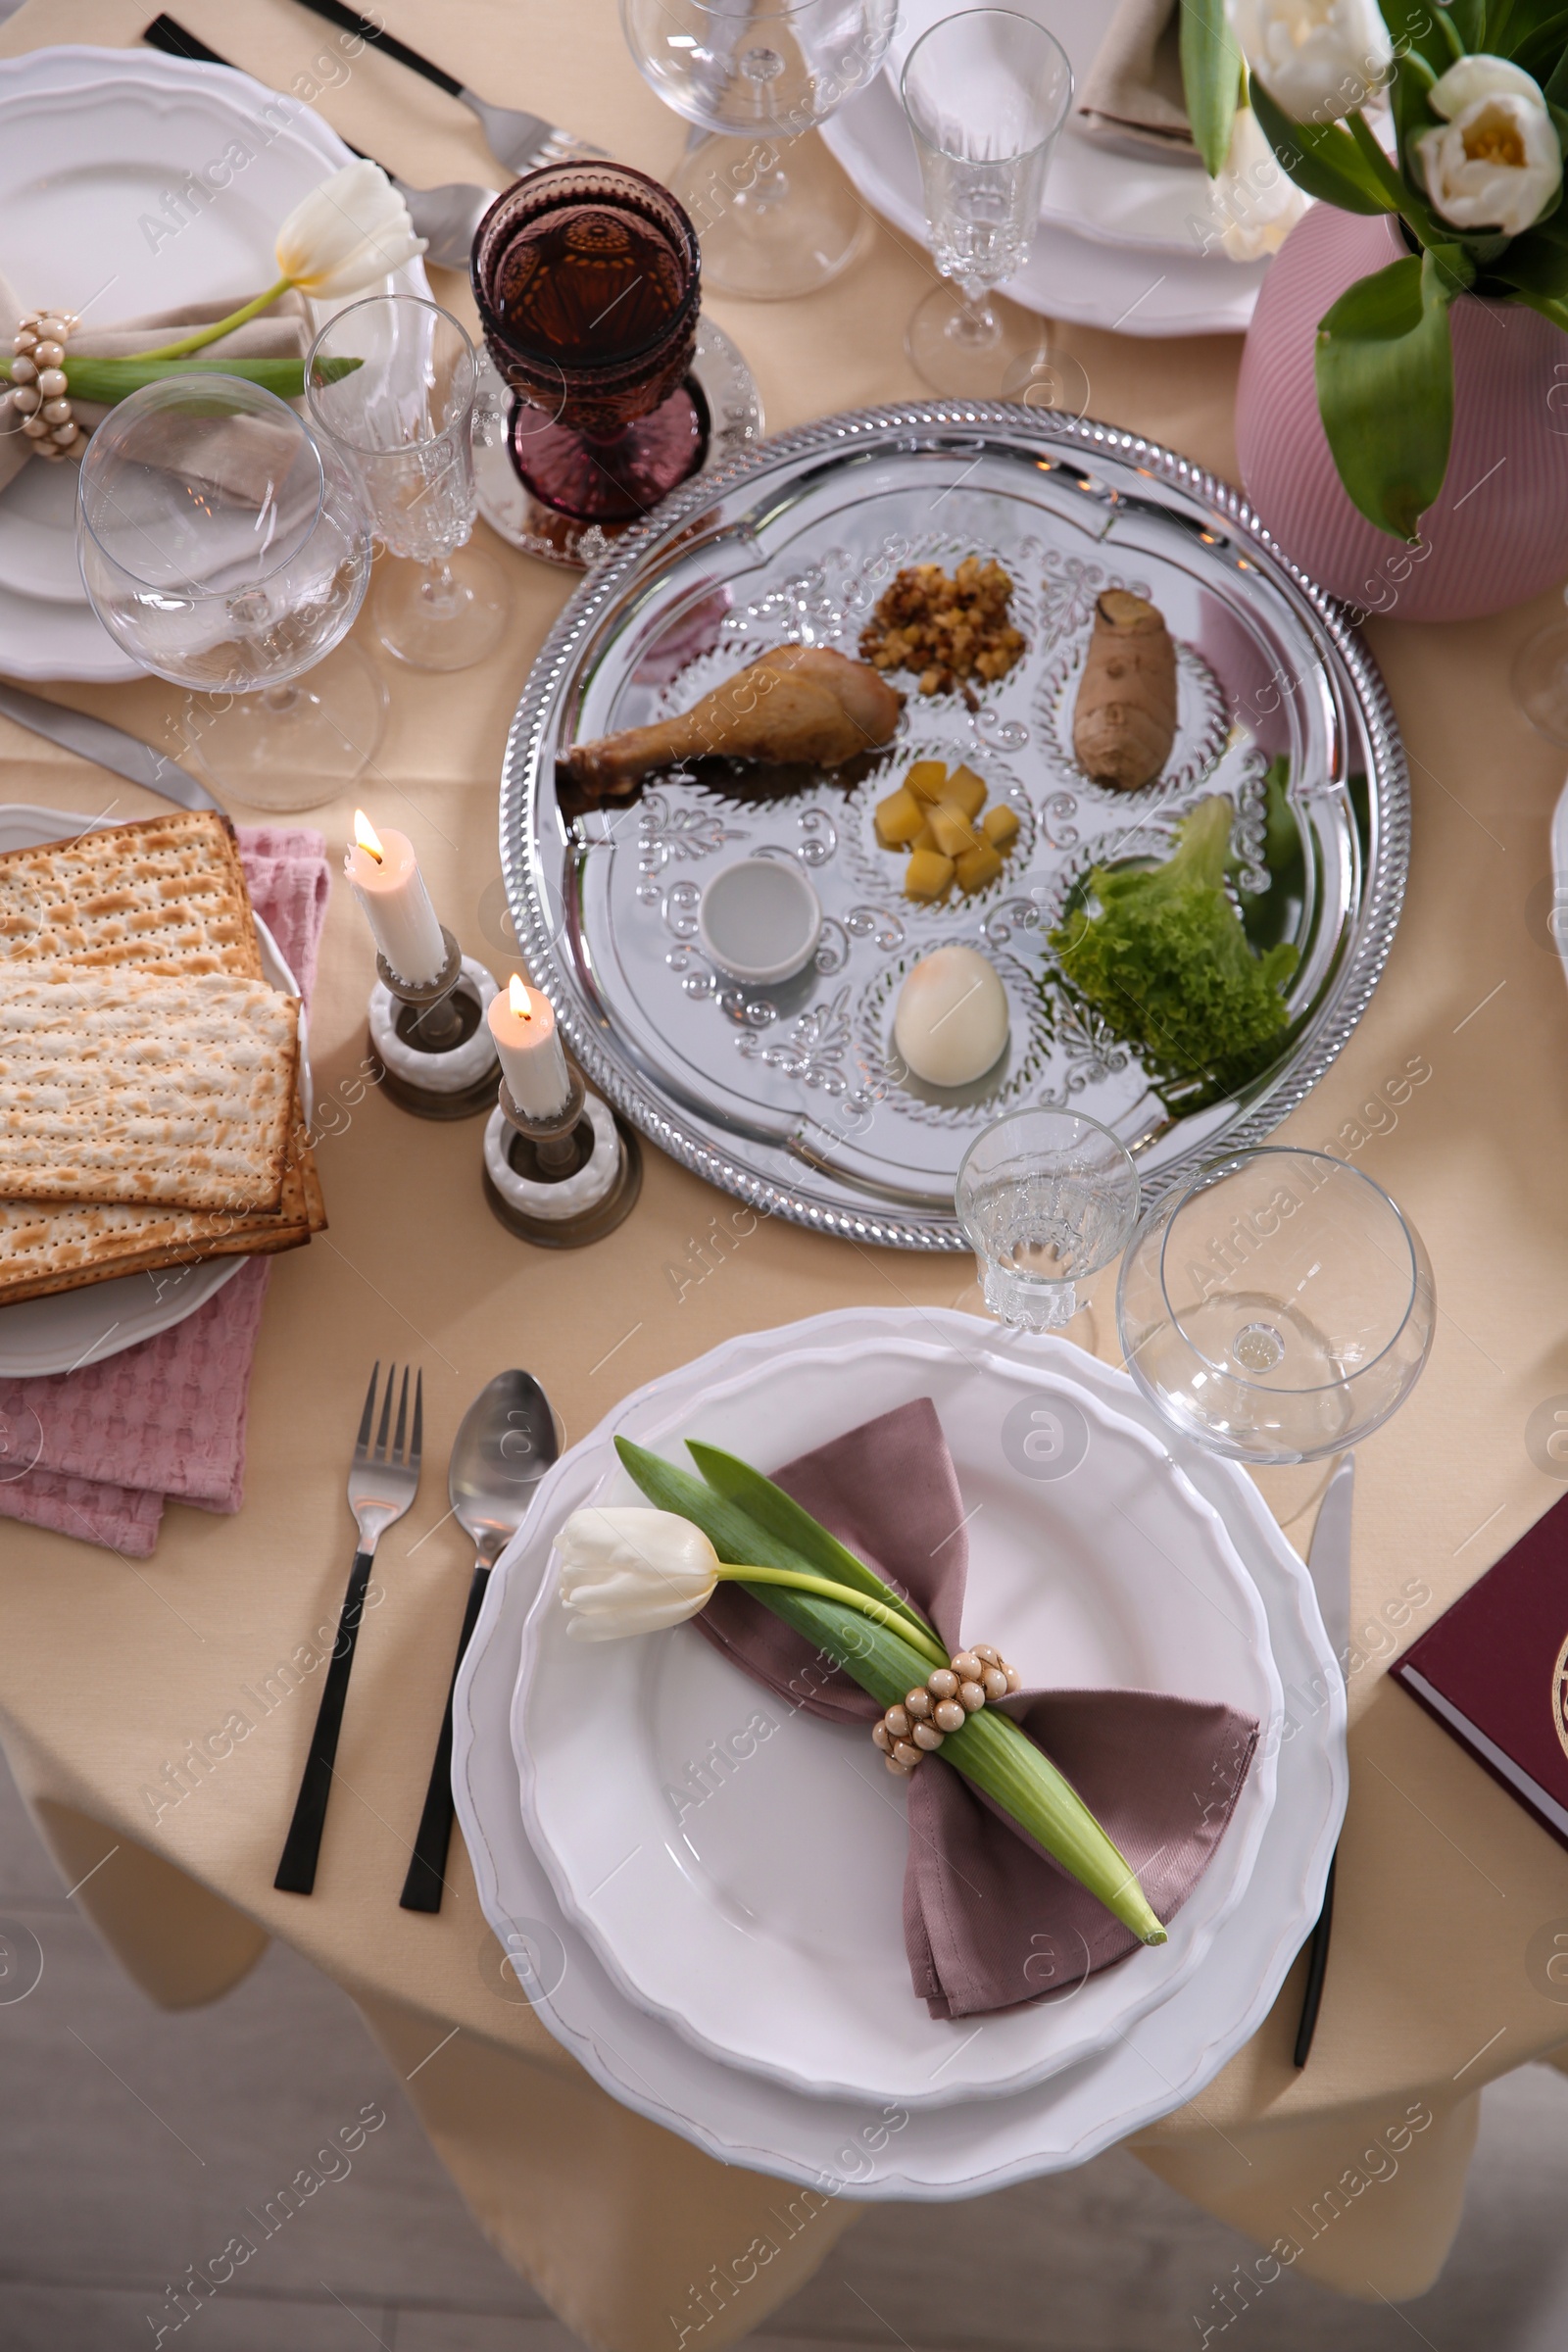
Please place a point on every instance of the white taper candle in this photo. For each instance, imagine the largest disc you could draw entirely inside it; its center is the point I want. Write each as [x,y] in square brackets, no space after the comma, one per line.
[523,1023]
[384,875]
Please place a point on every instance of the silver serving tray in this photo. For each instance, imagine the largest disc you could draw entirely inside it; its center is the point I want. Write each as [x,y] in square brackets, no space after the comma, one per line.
[784,1096]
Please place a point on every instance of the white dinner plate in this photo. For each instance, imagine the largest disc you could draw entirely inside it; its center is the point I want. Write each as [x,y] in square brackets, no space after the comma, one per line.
[764,1919]
[1081,269]
[71,1328]
[92,143]
[839,2147]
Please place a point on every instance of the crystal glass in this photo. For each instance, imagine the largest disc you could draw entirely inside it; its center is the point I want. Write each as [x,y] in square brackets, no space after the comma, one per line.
[1046,1198]
[224,546]
[588,277]
[1278,1309]
[1540,680]
[986,94]
[391,384]
[775,215]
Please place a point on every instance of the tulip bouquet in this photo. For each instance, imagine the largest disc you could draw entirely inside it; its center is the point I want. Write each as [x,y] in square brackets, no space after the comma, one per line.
[1471,164]
[346,235]
[639,1571]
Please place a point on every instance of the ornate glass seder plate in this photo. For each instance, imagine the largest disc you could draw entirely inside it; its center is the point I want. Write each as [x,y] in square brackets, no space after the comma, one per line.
[789,1096]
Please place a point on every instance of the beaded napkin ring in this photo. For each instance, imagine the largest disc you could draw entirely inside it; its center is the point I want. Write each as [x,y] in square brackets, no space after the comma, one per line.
[39,383]
[922,1718]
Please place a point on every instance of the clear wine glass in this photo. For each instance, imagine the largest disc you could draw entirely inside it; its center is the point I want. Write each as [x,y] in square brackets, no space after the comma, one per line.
[1279,1308]
[986,94]
[1046,1198]
[224,547]
[391,383]
[775,215]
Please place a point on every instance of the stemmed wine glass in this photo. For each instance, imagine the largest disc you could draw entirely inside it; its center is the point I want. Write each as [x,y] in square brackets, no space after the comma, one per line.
[986,94]
[775,216]
[1279,1308]
[224,546]
[588,281]
[391,383]
[1046,1198]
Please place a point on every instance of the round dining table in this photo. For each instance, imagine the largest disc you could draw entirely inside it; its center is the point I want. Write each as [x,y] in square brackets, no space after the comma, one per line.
[1453,1094]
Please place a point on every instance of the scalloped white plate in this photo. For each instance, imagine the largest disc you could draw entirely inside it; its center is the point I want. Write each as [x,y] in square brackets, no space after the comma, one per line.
[92,141]
[839,2146]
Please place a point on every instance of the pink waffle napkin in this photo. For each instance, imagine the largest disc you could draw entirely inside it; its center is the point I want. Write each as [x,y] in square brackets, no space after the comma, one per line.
[105,1447]
[989,1919]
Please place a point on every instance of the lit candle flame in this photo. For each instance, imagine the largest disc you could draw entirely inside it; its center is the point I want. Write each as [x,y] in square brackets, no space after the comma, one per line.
[368,838]
[519,997]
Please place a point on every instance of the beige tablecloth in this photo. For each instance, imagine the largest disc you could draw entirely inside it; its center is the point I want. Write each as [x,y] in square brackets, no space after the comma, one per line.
[1453,1093]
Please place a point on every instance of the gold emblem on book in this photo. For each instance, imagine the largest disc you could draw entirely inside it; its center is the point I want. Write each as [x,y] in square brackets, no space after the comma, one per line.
[1560,1696]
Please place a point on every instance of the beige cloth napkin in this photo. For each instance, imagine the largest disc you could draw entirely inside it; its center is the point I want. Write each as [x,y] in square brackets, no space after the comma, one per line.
[1132,96]
[284,332]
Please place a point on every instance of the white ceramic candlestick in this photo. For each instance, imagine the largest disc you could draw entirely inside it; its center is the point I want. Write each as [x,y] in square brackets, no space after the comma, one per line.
[523,1022]
[391,890]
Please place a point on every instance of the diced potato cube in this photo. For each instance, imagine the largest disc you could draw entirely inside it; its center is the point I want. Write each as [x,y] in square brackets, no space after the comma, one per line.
[899,818]
[1000,825]
[926,778]
[925,839]
[976,867]
[928,876]
[954,834]
[965,790]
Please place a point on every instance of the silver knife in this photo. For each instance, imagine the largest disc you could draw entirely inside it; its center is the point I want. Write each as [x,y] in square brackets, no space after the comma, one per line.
[1329,1558]
[108,747]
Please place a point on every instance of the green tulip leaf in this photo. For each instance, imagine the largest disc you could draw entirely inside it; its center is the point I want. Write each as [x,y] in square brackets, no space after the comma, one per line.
[1322,158]
[1385,388]
[1211,78]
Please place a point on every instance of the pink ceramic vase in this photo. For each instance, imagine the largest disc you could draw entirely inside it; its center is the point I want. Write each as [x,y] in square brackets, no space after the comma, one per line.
[1498,532]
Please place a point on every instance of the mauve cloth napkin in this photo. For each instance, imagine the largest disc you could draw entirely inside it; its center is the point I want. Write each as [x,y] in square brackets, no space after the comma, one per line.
[281,334]
[989,1919]
[1132,95]
[108,1445]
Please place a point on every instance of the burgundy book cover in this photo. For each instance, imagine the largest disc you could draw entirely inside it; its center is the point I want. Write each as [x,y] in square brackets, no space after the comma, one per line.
[1492,1671]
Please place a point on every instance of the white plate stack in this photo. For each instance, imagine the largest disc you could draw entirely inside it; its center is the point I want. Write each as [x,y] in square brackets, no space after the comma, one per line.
[699,1888]
[130,183]
[1127,241]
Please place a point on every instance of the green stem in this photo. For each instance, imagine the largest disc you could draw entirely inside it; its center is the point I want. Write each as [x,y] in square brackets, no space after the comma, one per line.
[829,1590]
[221,326]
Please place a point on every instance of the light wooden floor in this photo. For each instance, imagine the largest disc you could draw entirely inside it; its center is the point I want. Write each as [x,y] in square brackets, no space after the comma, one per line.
[130,2145]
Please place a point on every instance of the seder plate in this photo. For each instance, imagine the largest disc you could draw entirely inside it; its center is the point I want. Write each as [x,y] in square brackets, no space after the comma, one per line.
[786,1095]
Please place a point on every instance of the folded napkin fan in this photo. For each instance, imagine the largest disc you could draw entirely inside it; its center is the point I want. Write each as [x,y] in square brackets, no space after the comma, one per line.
[284,332]
[95,1453]
[1133,96]
[989,1919]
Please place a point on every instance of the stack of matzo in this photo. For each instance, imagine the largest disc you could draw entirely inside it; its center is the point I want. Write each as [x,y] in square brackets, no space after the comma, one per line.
[148,1075]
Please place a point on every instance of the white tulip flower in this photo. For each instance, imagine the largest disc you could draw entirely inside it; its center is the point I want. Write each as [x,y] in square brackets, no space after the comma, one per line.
[1317,59]
[1257,203]
[347,234]
[632,1571]
[1495,163]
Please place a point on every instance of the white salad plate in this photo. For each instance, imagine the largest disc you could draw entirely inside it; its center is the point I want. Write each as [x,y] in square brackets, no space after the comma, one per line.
[758,1906]
[884,2150]
[95,147]
[71,1328]
[1121,235]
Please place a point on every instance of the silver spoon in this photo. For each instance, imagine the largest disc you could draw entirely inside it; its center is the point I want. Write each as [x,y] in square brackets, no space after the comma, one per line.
[503,1446]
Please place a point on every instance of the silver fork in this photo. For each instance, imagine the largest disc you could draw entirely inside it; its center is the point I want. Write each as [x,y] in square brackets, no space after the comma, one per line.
[521,141]
[382,1483]
[446,216]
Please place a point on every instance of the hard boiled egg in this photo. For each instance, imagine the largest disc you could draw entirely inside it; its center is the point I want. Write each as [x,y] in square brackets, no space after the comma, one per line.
[952,1019]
